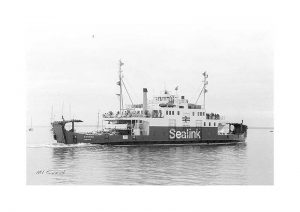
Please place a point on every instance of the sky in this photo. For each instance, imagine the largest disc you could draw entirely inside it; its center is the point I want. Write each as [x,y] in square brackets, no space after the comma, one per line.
[74,68]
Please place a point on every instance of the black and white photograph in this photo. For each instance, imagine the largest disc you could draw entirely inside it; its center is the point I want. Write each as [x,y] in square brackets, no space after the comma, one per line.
[150,106]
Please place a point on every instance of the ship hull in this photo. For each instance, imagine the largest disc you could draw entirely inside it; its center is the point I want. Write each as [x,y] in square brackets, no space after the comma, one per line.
[157,135]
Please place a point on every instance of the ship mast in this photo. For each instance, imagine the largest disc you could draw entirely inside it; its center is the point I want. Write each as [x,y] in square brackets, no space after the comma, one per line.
[120,84]
[204,87]
[204,90]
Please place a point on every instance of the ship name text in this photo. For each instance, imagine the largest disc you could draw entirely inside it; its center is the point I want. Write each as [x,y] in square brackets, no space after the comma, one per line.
[185,134]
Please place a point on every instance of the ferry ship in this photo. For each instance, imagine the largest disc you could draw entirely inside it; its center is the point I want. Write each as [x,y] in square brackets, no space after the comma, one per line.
[165,119]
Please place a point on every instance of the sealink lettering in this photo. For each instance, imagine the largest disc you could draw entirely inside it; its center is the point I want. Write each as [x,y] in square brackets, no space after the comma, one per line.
[185,134]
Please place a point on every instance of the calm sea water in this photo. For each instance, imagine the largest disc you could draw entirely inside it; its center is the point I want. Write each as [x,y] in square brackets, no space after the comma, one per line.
[241,164]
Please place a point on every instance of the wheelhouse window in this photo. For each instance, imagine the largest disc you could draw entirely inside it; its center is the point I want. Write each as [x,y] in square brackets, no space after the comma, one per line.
[204,124]
[173,112]
[178,113]
[208,123]
[193,113]
[166,112]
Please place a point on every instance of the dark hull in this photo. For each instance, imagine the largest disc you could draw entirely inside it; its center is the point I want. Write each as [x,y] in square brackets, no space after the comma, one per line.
[157,135]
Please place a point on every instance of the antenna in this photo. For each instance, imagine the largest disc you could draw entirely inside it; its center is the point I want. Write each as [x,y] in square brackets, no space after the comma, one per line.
[62,109]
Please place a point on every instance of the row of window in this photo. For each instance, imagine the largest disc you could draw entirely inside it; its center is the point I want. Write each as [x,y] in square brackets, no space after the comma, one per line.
[198,113]
[178,113]
[204,124]
[209,124]
[172,122]
[172,112]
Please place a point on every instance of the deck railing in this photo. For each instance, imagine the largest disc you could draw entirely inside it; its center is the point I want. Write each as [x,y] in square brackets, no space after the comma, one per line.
[129,115]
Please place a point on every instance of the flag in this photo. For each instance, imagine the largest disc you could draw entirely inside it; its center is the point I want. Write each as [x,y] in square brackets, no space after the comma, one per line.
[176,89]
[204,73]
[118,83]
[205,90]
[121,63]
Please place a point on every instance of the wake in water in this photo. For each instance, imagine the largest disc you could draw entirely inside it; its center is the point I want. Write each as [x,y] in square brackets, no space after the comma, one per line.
[59,145]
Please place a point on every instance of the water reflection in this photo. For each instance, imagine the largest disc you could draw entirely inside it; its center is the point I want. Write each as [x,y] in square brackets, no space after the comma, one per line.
[163,165]
[60,154]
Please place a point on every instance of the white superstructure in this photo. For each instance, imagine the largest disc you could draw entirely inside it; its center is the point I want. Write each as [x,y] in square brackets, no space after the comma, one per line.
[165,110]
